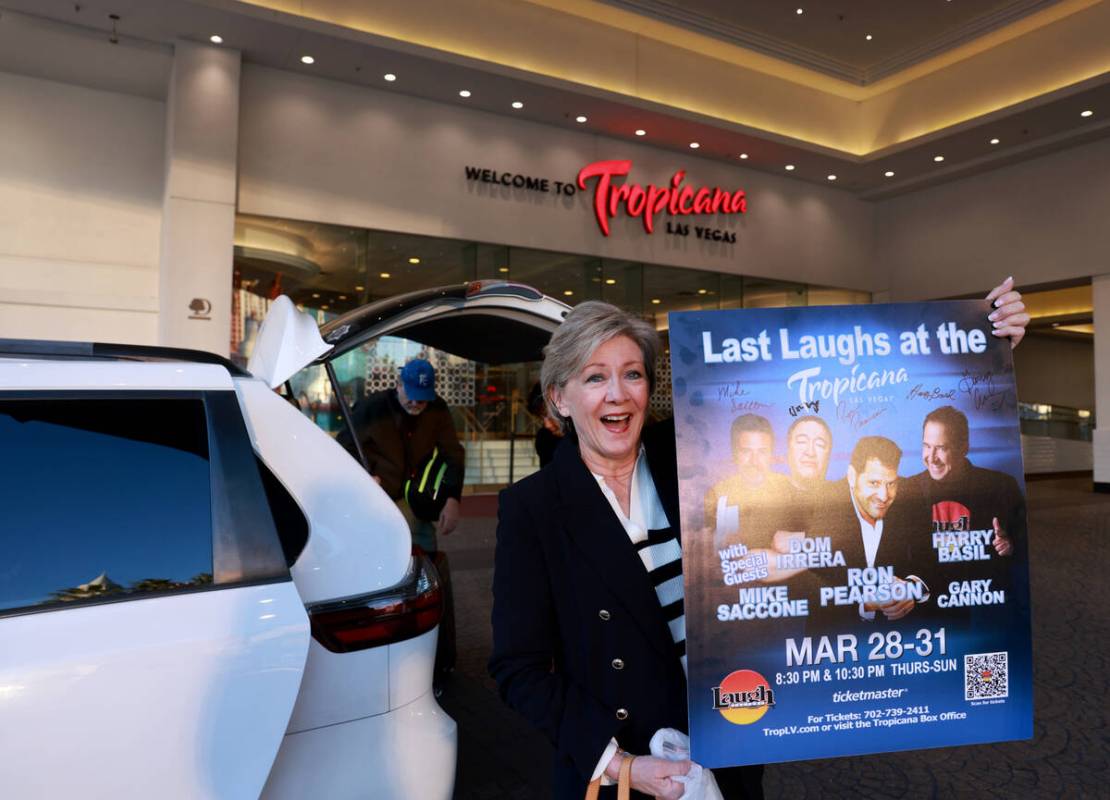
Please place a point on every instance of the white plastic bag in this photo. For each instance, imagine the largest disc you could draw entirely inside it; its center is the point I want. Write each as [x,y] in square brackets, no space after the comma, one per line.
[675,746]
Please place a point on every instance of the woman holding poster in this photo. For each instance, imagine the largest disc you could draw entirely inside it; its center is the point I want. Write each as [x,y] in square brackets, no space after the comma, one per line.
[588,616]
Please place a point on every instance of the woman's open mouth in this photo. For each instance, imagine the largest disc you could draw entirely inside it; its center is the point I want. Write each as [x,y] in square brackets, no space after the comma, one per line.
[616,423]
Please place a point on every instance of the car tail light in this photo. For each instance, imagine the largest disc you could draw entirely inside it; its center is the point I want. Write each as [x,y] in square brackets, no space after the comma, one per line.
[412,607]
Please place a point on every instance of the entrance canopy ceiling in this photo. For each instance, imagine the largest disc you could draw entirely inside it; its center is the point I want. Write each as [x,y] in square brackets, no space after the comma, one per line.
[832,37]
[942,89]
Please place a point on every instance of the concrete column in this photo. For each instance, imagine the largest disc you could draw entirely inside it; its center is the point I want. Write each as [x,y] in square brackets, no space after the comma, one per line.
[198,208]
[1100,291]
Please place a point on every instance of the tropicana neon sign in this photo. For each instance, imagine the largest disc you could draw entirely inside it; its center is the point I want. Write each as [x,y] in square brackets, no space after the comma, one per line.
[648,202]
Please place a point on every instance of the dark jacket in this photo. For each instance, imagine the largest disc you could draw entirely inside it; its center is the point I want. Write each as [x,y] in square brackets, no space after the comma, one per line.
[570,596]
[396,442]
[969,500]
[900,547]
[579,639]
[972,496]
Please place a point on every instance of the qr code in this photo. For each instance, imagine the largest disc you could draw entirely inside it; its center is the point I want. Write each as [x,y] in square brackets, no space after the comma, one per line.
[986,676]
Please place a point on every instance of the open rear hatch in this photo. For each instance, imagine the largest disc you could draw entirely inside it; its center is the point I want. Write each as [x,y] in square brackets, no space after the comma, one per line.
[493,322]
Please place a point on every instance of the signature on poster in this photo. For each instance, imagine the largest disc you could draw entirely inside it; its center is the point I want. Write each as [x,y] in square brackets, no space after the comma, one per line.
[919,392]
[735,395]
[809,407]
[858,416]
[980,385]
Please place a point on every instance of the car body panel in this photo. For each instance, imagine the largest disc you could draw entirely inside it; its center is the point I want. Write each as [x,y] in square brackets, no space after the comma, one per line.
[411,664]
[358,540]
[339,687]
[192,692]
[404,754]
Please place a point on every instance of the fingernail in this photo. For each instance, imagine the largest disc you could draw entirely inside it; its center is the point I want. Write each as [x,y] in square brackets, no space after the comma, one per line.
[1011,278]
[998,302]
[992,316]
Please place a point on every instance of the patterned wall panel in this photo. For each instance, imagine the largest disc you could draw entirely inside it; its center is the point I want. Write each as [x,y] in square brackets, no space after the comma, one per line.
[454,376]
[661,402]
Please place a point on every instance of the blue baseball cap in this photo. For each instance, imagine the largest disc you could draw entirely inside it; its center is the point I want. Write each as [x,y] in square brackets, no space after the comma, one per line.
[419,379]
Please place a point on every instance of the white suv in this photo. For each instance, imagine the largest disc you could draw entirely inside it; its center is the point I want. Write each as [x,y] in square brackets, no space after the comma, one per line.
[201,593]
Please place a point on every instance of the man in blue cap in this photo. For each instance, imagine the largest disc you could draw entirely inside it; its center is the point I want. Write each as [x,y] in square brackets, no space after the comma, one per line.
[413,452]
[403,432]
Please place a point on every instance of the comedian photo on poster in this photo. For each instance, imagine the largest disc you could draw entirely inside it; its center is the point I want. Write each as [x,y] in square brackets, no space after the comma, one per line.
[854,536]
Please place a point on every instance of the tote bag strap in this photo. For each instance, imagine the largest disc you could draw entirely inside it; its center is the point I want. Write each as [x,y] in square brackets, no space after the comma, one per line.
[624,782]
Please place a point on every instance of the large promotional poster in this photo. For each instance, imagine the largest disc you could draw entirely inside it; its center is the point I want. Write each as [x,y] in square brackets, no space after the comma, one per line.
[854,536]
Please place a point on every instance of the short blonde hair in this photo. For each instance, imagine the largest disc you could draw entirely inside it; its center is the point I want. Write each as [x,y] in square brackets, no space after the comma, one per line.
[588,326]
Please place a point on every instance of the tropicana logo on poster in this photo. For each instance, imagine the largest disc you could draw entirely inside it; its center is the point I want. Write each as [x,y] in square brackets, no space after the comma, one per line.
[641,202]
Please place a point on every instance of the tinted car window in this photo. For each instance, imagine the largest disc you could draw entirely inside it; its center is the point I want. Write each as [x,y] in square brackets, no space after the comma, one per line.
[292,527]
[102,499]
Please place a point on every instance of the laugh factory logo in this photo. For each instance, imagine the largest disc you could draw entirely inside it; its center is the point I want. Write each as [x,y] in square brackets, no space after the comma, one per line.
[743,697]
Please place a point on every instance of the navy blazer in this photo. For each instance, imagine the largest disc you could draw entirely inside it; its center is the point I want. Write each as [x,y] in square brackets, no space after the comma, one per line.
[580,644]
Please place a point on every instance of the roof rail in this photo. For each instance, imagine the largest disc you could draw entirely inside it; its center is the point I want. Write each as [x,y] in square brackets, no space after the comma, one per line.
[133,352]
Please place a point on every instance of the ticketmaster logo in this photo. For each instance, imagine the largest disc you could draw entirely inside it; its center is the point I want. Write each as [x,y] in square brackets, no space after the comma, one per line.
[853,697]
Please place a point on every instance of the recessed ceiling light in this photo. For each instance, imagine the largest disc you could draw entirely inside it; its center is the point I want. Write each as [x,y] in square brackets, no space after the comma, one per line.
[315,296]
[414,260]
[360,288]
[789,167]
[324,307]
[869,37]
[308,60]
[655,301]
[938,159]
[889,173]
[703,291]
[215,38]
[994,141]
[383,275]
[464,93]
[568,293]
[694,145]
[610,281]
[832,177]
[389,76]
[800,11]
[342,297]
[1086,113]
[580,118]
[744,156]
[518,104]
[502,269]
[641,132]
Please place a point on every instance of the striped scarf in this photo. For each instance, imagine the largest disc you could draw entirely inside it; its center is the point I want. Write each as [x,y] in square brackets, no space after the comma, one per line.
[662,557]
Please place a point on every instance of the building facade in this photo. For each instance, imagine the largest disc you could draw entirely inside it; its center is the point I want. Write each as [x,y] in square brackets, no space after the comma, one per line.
[160,188]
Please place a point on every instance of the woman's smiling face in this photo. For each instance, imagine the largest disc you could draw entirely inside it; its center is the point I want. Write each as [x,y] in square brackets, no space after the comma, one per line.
[607,401]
